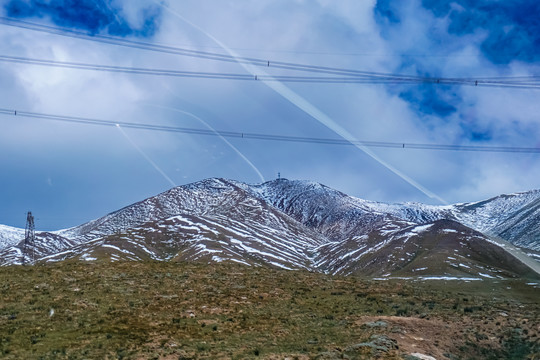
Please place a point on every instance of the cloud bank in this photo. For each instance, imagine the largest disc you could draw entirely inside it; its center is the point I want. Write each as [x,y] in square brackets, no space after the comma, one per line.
[56,169]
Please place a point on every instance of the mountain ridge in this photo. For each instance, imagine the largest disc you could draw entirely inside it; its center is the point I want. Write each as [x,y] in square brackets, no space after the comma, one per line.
[296,224]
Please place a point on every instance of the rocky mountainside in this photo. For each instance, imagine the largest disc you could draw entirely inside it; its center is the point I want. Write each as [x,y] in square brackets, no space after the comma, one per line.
[10,236]
[514,217]
[301,224]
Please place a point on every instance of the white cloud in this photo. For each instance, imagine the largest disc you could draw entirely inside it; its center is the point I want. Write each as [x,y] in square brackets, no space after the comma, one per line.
[339,34]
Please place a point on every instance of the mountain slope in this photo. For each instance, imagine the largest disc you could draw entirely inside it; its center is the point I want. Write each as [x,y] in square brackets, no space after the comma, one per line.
[522,226]
[330,212]
[514,218]
[443,248]
[213,219]
[299,224]
[205,238]
[46,243]
[10,236]
[488,213]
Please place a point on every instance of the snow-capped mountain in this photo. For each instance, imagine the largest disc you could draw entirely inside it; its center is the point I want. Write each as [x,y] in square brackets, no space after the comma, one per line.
[301,224]
[514,217]
[10,236]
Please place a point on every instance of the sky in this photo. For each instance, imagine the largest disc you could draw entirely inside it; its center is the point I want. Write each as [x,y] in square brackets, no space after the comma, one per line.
[69,173]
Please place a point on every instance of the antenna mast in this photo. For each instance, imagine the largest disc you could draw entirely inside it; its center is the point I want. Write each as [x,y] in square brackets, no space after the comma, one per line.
[29,239]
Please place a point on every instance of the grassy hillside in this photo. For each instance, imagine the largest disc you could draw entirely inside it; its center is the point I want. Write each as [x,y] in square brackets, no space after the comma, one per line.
[151,310]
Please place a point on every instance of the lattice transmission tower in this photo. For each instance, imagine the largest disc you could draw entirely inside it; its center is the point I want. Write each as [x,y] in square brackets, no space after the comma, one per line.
[29,247]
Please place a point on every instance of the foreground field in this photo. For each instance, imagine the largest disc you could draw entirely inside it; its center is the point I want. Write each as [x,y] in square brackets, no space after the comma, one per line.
[151,310]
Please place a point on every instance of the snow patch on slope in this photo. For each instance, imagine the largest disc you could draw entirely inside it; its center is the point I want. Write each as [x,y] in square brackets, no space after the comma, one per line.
[10,236]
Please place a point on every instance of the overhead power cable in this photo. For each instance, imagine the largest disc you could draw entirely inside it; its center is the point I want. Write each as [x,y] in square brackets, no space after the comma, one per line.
[511,82]
[176,50]
[268,137]
[363,76]
[177,73]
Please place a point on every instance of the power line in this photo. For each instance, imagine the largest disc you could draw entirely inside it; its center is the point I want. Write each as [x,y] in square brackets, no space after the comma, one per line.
[287,51]
[368,76]
[522,82]
[169,49]
[268,137]
[328,52]
[177,73]
[178,51]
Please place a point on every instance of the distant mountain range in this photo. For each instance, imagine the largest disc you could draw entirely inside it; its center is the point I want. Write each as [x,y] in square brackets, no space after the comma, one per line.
[305,225]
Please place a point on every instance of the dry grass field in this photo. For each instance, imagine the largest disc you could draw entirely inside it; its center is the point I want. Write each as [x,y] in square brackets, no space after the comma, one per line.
[159,310]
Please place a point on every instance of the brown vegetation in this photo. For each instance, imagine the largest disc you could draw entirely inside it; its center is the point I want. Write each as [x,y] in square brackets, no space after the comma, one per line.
[145,310]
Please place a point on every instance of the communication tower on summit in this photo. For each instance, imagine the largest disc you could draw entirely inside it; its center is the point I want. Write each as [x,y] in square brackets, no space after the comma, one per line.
[29,250]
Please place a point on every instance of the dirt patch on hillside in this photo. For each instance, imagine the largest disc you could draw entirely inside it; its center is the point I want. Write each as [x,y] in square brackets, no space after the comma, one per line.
[441,339]
[414,335]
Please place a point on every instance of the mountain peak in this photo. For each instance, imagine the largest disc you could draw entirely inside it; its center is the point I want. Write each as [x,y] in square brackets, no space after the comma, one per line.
[296,224]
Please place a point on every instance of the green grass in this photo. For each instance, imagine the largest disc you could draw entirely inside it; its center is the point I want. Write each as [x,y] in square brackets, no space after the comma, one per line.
[145,310]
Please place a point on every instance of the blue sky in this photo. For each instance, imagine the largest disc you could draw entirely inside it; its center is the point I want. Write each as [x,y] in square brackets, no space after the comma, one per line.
[67,174]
